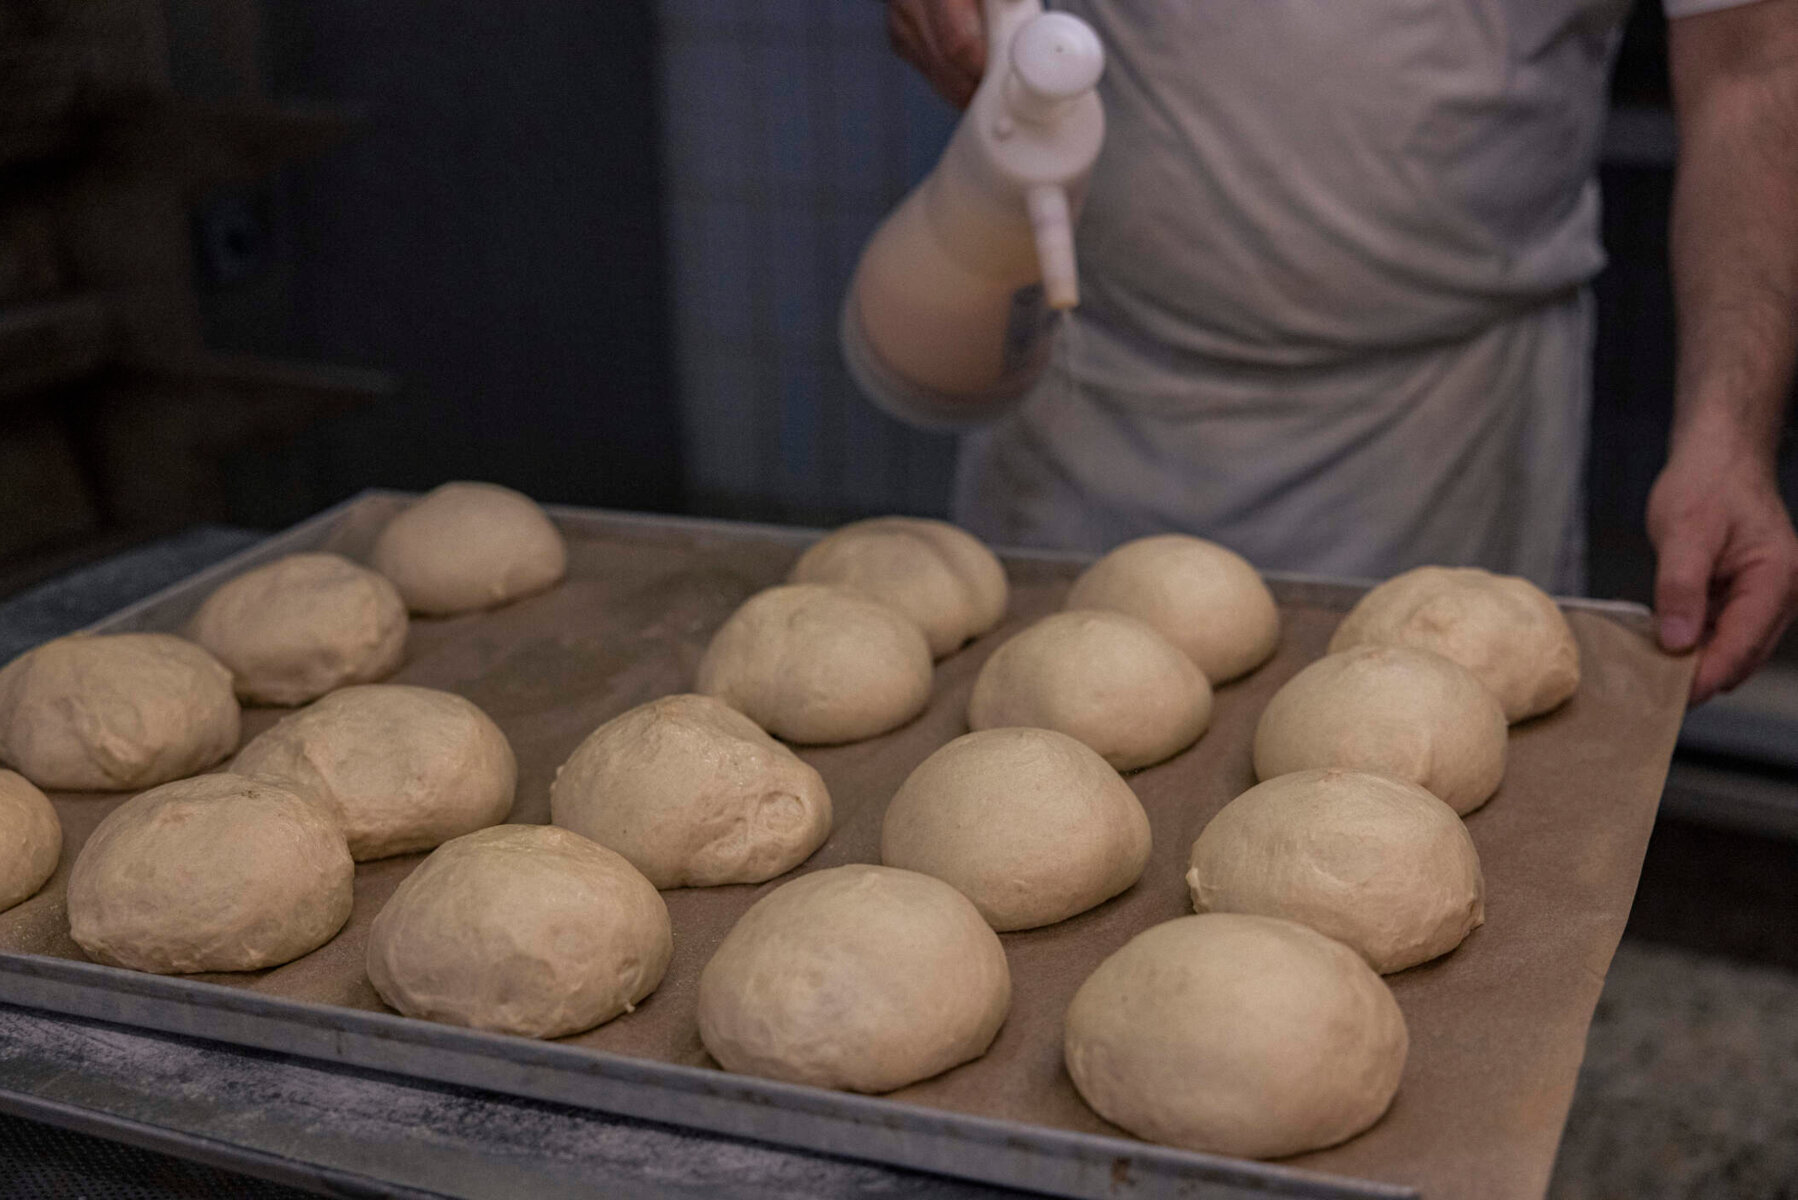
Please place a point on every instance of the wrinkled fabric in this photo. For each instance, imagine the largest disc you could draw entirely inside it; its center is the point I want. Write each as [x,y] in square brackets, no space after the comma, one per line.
[1333,315]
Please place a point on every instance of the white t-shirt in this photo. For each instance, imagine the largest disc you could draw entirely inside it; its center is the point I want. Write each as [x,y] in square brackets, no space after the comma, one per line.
[1332,264]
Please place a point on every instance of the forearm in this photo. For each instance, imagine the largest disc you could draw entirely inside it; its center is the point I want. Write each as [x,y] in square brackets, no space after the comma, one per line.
[1735,229]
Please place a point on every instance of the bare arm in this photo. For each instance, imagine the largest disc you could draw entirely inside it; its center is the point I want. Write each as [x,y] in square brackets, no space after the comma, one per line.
[1728,559]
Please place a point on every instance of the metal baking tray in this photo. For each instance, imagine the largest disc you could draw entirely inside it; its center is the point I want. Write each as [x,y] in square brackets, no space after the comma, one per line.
[901,1132]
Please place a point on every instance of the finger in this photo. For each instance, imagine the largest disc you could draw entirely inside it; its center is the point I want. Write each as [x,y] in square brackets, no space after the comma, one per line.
[905,34]
[1685,560]
[962,40]
[1754,615]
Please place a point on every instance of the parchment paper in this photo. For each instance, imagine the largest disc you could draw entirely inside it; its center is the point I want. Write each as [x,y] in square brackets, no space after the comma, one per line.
[1497,1027]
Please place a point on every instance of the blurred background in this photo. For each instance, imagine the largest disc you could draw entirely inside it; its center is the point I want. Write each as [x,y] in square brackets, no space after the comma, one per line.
[257,255]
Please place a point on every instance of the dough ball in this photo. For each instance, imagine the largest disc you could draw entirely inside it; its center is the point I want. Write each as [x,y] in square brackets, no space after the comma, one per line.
[818,664]
[1506,630]
[115,712]
[1240,1035]
[467,546]
[302,625]
[525,929]
[1102,677]
[30,839]
[404,768]
[693,793]
[214,873]
[1378,864]
[1394,710]
[861,978]
[1029,824]
[939,577]
[1204,599]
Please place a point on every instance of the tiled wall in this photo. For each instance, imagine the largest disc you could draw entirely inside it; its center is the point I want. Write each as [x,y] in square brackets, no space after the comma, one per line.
[790,130]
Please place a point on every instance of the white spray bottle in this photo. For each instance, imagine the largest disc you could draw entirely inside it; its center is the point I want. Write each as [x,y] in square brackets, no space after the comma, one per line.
[951,307]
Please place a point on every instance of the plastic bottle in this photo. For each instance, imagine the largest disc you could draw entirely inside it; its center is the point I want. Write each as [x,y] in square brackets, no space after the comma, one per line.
[952,305]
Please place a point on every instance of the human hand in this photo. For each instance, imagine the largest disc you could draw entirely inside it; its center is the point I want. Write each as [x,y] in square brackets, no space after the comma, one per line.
[1727,575]
[944,40]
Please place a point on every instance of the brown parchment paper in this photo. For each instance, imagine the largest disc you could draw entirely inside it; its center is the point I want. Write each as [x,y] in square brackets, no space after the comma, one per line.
[1497,1027]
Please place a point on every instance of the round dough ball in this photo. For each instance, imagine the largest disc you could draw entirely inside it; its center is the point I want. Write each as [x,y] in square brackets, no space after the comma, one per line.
[1506,630]
[1029,824]
[818,664]
[1102,677]
[467,546]
[939,577]
[30,839]
[525,929]
[1204,599]
[1378,864]
[1240,1035]
[861,978]
[302,625]
[693,793]
[214,873]
[1393,710]
[403,768]
[115,712]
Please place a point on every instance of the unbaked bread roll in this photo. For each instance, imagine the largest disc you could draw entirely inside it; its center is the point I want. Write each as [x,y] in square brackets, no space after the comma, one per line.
[214,873]
[525,929]
[693,793]
[30,839]
[1506,630]
[940,577]
[861,978]
[1378,864]
[294,629]
[1239,1035]
[1102,677]
[115,712]
[403,768]
[1397,710]
[811,663]
[467,546]
[1029,824]
[1204,599]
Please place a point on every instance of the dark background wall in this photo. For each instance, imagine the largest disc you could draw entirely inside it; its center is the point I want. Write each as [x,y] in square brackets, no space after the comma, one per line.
[493,234]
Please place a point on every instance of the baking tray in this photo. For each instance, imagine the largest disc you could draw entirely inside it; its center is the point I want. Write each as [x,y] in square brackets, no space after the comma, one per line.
[1497,1027]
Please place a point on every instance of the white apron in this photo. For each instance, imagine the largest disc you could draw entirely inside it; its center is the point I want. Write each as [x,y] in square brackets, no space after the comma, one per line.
[1333,313]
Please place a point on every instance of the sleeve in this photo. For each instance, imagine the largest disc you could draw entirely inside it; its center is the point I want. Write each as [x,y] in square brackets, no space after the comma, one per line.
[1691,8]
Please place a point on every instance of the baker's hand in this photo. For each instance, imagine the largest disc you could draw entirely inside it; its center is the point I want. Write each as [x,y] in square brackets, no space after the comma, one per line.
[943,40]
[1727,579]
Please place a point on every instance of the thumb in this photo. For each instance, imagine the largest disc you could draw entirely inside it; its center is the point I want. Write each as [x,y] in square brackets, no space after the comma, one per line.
[1682,584]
